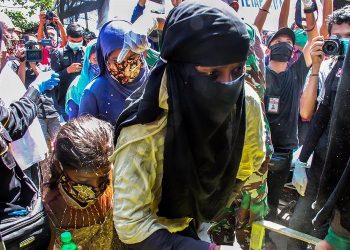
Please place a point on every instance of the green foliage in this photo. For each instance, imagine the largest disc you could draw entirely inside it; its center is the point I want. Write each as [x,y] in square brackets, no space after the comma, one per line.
[20,19]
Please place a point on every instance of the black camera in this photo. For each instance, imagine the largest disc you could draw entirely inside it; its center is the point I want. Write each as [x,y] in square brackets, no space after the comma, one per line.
[335,46]
[50,15]
[33,54]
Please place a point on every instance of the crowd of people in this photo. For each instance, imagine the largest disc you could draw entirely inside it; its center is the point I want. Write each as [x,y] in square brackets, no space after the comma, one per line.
[162,123]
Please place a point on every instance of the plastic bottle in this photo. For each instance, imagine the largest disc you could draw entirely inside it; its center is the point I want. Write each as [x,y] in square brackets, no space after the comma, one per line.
[67,242]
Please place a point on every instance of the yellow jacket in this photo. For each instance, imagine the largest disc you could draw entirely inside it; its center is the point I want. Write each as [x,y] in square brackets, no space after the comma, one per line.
[254,149]
[138,172]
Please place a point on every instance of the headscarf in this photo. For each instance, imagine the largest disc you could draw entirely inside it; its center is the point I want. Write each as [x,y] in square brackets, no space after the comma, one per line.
[76,89]
[111,37]
[204,139]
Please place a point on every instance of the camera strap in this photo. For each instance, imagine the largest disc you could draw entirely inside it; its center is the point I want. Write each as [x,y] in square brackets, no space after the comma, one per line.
[298,15]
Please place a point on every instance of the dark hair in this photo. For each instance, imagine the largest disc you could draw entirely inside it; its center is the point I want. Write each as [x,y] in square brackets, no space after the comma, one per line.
[75,30]
[339,16]
[84,143]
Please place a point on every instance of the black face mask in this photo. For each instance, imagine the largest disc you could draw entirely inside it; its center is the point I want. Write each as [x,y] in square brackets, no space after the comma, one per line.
[213,100]
[281,52]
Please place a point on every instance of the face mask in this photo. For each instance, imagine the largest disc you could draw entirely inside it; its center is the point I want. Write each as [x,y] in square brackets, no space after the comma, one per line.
[126,71]
[75,46]
[281,52]
[204,92]
[95,69]
[80,195]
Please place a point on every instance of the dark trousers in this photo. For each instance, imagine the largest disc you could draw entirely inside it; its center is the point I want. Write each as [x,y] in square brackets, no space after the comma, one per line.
[277,177]
[301,219]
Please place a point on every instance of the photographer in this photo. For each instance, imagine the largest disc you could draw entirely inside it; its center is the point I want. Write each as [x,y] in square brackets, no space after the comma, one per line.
[67,63]
[326,74]
[47,107]
[49,20]
[27,71]
[49,26]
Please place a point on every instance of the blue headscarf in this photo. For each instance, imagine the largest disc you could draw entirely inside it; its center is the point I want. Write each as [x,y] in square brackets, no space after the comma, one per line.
[111,38]
[76,89]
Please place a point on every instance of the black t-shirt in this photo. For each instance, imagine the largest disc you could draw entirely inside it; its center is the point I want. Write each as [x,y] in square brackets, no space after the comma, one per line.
[282,98]
[61,59]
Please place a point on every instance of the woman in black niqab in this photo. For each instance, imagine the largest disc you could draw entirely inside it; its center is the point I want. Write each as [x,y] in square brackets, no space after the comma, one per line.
[205,121]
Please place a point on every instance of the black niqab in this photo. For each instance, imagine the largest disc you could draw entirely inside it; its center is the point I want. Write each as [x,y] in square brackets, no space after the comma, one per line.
[205,121]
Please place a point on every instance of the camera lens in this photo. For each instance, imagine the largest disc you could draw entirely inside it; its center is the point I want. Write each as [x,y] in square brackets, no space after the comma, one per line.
[49,15]
[330,48]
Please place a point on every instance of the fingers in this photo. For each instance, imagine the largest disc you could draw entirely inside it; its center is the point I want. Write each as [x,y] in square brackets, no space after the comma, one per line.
[54,75]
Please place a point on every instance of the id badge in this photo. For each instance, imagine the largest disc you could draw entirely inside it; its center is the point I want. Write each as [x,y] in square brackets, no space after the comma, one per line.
[273,105]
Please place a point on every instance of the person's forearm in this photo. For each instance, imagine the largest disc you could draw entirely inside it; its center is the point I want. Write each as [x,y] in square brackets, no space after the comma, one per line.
[138,11]
[262,14]
[22,71]
[283,19]
[63,35]
[40,34]
[21,114]
[327,10]
[309,97]
[312,32]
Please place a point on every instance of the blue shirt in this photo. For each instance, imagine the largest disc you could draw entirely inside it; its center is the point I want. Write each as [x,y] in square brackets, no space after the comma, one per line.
[103,99]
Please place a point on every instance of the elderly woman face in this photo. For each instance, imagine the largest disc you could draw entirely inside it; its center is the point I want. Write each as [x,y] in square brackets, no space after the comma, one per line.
[126,71]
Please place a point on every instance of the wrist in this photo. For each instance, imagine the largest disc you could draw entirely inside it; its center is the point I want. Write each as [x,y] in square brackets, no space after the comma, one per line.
[315,70]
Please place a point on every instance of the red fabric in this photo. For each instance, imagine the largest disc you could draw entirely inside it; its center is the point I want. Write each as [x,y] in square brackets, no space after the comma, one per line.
[46,56]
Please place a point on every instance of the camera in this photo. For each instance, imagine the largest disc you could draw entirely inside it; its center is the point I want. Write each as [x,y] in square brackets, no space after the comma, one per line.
[335,46]
[46,42]
[50,15]
[33,54]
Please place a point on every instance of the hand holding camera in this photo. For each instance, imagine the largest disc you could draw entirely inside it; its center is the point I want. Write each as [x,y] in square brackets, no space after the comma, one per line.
[316,52]
[21,55]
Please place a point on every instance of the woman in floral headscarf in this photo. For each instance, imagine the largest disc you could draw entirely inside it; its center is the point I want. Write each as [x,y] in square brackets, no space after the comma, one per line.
[105,97]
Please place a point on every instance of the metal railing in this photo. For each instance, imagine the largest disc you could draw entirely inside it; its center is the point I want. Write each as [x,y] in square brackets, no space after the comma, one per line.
[258,234]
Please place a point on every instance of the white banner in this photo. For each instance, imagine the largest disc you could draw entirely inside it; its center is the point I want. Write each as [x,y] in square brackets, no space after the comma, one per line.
[32,147]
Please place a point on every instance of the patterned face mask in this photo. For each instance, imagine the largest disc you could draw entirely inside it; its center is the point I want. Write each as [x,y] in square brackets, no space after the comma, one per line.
[85,195]
[126,71]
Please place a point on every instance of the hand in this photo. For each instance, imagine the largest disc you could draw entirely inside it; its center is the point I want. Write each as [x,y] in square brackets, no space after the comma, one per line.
[317,55]
[176,2]
[134,42]
[142,3]
[307,4]
[57,20]
[299,176]
[136,39]
[42,17]
[74,68]
[45,81]
[20,55]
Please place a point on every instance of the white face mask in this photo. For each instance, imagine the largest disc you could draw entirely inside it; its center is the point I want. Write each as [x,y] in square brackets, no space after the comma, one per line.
[75,46]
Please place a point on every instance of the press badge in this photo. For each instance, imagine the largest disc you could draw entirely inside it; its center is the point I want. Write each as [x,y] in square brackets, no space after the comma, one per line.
[273,104]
